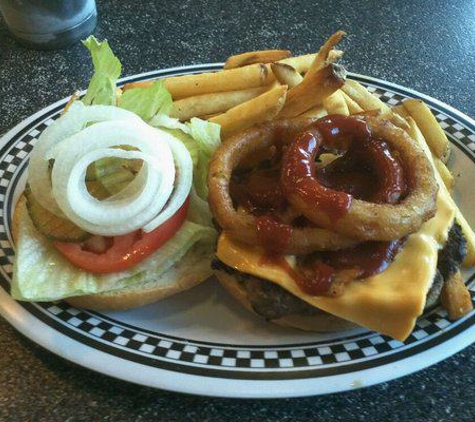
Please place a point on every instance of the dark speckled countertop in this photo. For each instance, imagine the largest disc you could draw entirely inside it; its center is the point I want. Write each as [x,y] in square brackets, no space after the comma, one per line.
[425,45]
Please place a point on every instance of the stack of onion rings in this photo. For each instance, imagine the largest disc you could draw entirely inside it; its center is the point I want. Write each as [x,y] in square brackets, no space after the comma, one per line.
[362,220]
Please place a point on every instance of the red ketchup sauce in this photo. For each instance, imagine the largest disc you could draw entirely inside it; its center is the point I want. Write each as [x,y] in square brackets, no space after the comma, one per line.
[367,170]
[320,282]
[315,286]
[272,235]
[370,257]
[298,177]
[260,191]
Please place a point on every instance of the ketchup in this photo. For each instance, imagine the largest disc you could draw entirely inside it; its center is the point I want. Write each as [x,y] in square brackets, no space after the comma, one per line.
[367,170]
[260,190]
[370,257]
[298,177]
[367,259]
[273,235]
[316,285]
[319,282]
[340,131]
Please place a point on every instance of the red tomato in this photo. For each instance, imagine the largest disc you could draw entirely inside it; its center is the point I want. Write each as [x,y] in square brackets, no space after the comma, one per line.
[102,255]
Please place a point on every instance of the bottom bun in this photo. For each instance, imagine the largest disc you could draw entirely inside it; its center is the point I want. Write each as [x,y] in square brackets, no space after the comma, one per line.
[320,322]
[123,299]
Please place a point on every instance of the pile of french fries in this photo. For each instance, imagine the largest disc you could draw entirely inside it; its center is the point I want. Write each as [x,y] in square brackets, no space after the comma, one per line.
[260,86]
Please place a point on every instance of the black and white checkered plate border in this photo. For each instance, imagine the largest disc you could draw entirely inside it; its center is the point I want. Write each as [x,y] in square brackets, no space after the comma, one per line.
[285,362]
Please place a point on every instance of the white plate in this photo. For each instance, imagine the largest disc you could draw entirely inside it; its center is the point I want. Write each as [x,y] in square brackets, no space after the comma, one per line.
[201,341]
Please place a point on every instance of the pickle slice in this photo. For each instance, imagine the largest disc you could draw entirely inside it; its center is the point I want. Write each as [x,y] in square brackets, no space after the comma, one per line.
[50,225]
[97,190]
[115,173]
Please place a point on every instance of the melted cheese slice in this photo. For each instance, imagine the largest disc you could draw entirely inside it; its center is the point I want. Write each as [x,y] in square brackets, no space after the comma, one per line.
[389,302]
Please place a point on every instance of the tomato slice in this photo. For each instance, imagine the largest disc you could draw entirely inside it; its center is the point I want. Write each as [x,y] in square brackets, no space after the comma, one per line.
[102,255]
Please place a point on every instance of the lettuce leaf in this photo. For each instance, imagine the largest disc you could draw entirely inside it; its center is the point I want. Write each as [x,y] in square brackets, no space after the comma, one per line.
[201,139]
[207,135]
[201,148]
[42,274]
[199,211]
[190,144]
[148,101]
[107,68]
[163,121]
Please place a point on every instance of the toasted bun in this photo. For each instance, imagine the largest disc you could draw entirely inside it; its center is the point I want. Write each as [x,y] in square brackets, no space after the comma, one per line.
[322,322]
[133,298]
[125,298]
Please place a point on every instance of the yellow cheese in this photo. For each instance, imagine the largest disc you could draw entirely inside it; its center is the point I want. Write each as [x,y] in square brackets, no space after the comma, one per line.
[467,231]
[389,302]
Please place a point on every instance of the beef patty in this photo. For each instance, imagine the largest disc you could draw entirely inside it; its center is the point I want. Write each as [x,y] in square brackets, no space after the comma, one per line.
[272,301]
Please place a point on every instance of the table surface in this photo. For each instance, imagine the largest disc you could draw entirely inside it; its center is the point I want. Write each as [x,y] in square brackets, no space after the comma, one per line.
[428,46]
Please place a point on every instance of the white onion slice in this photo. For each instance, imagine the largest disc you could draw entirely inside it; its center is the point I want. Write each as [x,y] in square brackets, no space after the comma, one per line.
[183,185]
[158,190]
[77,117]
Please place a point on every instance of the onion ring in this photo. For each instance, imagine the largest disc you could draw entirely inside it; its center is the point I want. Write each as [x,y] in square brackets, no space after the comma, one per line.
[399,220]
[241,225]
[368,220]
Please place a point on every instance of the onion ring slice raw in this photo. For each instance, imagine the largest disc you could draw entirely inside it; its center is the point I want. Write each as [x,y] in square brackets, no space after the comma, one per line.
[150,199]
[76,119]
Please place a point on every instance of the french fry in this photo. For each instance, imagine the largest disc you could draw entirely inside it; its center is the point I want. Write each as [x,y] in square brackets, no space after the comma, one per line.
[467,231]
[313,89]
[302,63]
[455,297]
[335,55]
[336,104]
[258,110]
[209,116]
[369,102]
[286,74]
[140,84]
[72,99]
[317,112]
[363,97]
[215,103]
[323,54]
[353,106]
[430,128]
[401,110]
[273,85]
[252,57]
[445,174]
[252,76]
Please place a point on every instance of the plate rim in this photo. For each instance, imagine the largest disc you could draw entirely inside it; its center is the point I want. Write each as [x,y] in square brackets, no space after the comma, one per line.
[21,319]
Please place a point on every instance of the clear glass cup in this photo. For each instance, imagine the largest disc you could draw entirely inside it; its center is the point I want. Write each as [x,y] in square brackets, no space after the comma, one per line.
[49,24]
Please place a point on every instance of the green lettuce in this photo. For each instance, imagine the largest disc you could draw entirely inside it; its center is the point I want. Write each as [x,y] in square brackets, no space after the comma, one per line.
[42,274]
[148,101]
[107,68]
[207,136]
[190,144]
[201,138]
